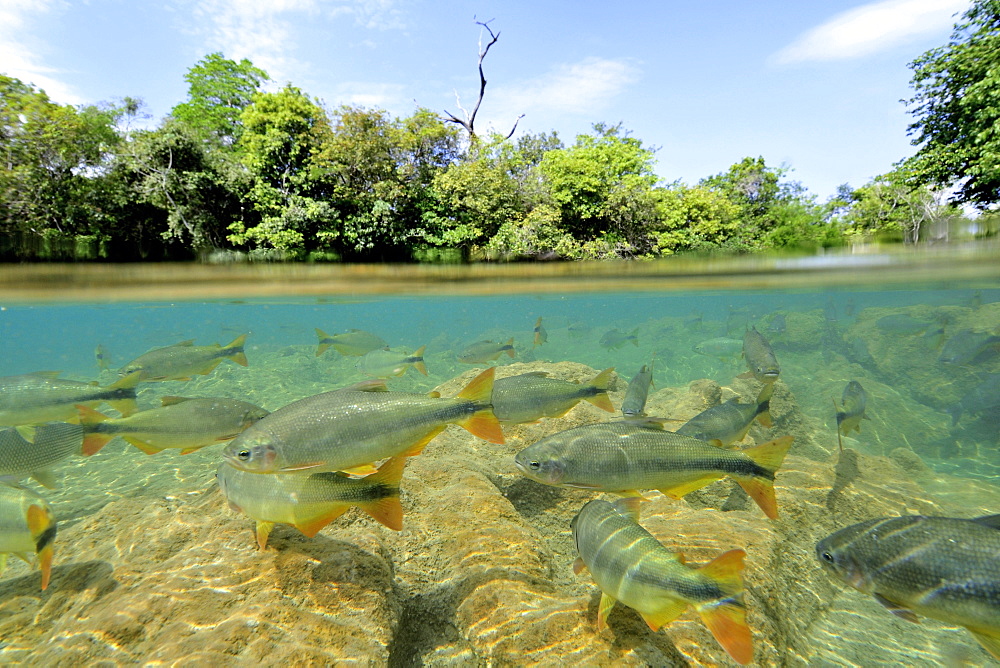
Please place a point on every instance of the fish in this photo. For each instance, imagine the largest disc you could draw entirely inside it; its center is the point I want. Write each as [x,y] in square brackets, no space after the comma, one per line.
[27,527]
[385,363]
[101,357]
[184,360]
[486,351]
[939,567]
[352,343]
[968,346]
[984,397]
[187,424]
[43,397]
[630,565]
[720,347]
[541,336]
[634,403]
[352,428]
[531,396]
[853,404]
[632,455]
[901,323]
[310,502]
[578,330]
[778,324]
[759,357]
[729,422]
[615,339]
[32,451]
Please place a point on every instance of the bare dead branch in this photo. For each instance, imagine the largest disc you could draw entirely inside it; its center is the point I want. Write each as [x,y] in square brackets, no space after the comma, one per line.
[469,122]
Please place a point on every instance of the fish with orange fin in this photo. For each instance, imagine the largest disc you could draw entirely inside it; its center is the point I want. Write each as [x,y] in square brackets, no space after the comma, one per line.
[310,502]
[633,455]
[631,566]
[32,398]
[541,336]
[184,360]
[352,428]
[27,527]
[180,423]
[728,423]
[481,352]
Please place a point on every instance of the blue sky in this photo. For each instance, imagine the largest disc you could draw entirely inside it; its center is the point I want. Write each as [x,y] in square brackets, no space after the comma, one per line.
[815,86]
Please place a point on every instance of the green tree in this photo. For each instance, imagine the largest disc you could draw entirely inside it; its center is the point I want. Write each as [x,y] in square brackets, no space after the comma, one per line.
[219,89]
[284,133]
[891,208]
[603,187]
[956,107]
[53,162]
[694,218]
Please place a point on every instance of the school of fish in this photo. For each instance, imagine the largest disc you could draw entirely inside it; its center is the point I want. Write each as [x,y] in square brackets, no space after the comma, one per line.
[306,463]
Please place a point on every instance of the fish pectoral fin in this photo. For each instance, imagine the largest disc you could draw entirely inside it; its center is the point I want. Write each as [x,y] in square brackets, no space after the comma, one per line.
[142,445]
[263,531]
[361,470]
[603,610]
[46,479]
[897,609]
[579,566]
[312,526]
[419,446]
[988,638]
[664,615]
[301,467]
[678,491]
[581,485]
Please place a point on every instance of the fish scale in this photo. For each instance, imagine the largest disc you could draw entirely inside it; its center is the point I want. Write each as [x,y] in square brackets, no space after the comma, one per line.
[944,568]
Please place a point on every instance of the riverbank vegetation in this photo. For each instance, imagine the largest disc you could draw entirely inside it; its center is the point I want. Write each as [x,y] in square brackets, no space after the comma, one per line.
[245,169]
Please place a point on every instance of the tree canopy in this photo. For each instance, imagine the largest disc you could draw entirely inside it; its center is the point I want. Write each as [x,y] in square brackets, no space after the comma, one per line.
[956,109]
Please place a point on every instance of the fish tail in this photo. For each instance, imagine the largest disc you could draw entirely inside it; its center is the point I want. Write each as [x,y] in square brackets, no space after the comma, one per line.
[321,347]
[634,336]
[483,423]
[769,457]
[600,383]
[125,405]
[93,440]
[726,617]
[234,351]
[418,361]
[43,531]
[510,347]
[387,510]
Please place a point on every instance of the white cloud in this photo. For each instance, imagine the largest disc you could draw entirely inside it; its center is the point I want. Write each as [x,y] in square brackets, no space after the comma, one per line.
[578,88]
[870,28]
[20,49]
[264,30]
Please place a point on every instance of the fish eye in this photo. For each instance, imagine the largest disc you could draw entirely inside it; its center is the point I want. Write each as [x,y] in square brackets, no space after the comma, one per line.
[243,455]
[534,466]
[827,557]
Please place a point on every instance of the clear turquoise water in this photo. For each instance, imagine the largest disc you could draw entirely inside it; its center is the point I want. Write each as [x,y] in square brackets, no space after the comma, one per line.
[910,394]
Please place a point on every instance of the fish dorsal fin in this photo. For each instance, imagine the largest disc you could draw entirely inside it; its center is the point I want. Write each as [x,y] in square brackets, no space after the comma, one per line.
[537,374]
[897,609]
[991,521]
[186,344]
[374,385]
[26,431]
[173,401]
[656,424]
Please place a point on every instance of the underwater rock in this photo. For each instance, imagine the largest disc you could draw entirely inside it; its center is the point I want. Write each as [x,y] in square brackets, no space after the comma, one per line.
[481,573]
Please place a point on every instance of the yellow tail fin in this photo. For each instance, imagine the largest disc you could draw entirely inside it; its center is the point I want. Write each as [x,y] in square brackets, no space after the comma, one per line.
[388,510]
[483,423]
[418,362]
[92,440]
[235,351]
[726,617]
[768,456]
